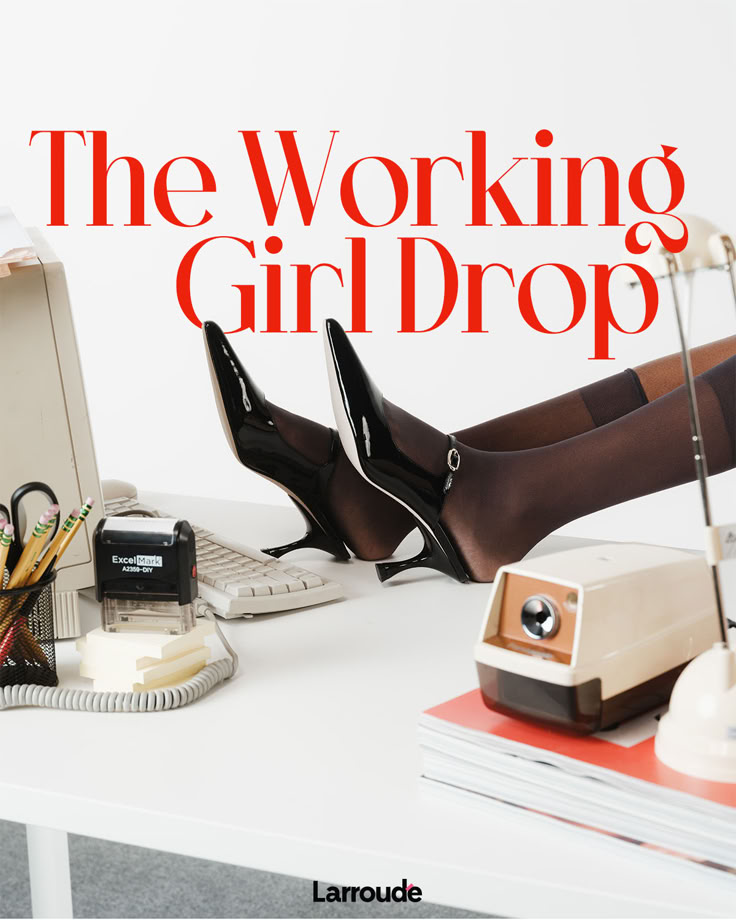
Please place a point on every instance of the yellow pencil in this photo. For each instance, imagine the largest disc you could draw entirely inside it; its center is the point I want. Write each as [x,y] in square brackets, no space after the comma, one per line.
[33,548]
[53,548]
[5,540]
[85,510]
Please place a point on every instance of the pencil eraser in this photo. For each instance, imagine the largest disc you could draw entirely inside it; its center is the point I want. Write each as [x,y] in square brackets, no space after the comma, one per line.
[89,501]
[9,530]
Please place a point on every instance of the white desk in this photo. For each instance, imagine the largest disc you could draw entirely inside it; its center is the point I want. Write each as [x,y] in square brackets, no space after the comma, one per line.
[307,762]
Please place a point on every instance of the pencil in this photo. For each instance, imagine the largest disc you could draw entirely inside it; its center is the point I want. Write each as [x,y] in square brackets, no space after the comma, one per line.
[10,610]
[5,540]
[84,511]
[53,548]
[29,555]
[6,643]
[12,618]
[17,624]
[20,635]
[14,630]
[32,549]
[30,648]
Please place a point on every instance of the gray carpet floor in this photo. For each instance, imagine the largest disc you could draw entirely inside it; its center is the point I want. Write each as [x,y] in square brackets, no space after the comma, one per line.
[115,880]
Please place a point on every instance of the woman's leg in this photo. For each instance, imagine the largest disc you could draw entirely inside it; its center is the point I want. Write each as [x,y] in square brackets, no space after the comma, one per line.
[591,406]
[373,524]
[501,504]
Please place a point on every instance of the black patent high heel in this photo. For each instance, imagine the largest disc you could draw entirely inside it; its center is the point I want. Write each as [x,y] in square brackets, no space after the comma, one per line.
[256,442]
[431,556]
[316,537]
[366,439]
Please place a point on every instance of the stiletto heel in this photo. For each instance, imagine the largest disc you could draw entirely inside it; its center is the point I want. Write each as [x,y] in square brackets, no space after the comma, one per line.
[256,442]
[431,556]
[318,536]
[366,438]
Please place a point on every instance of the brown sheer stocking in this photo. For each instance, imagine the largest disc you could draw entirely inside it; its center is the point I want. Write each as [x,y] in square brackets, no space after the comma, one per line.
[591,406]
[501,504]
[373,525]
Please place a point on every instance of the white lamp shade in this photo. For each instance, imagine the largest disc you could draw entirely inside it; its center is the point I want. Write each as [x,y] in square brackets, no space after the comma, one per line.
[704,248]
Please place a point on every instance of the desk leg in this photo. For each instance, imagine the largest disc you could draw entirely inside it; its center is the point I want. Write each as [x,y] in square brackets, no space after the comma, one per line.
[48,867]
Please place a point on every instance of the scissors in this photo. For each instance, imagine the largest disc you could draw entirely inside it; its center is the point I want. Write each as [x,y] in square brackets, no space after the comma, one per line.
[17,516]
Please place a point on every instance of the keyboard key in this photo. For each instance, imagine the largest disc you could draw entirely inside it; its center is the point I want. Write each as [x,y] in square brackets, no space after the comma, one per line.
[275,587]
[239,589]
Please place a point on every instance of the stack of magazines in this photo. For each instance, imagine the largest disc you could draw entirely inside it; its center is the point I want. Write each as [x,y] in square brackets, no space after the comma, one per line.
[609,783]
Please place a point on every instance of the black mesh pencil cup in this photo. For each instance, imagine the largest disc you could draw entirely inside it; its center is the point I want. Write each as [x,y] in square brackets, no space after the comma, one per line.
[27,634]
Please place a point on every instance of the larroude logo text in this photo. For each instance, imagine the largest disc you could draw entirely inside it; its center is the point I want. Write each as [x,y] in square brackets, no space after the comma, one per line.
[347,893]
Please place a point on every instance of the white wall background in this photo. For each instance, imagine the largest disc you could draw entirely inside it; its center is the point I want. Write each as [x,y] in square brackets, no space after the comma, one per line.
[398,79]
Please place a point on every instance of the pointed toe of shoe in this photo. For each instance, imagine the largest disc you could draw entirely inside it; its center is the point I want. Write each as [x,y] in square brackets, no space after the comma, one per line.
[341,352]
[213,334]
[240,402]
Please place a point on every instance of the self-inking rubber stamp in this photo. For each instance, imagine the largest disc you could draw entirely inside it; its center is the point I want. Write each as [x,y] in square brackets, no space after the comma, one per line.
[146,571]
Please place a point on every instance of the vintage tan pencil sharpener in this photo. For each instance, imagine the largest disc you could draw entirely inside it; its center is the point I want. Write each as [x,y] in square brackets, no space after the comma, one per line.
[586,638]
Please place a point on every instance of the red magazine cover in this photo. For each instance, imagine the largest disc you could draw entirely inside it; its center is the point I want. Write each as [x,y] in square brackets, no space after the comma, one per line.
[613,753]
[627,750]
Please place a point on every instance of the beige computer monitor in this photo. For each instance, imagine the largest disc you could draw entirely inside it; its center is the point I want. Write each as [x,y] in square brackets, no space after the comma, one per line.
[45,432]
